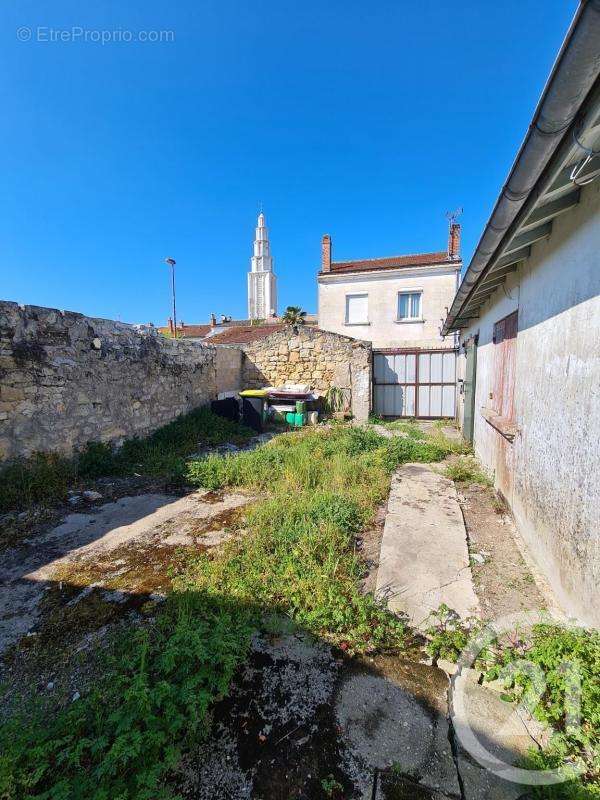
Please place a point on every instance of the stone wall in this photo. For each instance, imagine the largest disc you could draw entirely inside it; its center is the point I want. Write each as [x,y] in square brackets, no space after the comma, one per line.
[229,368]
[315,357]
[66,379]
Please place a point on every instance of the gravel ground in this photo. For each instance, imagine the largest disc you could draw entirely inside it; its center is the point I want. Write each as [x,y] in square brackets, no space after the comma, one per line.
[504,582]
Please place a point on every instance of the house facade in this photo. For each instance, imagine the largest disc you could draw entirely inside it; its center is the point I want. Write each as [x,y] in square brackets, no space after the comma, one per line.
[528,314]
[398,303]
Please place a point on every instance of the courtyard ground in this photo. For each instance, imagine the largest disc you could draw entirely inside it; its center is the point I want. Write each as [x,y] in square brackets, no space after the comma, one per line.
[308,714]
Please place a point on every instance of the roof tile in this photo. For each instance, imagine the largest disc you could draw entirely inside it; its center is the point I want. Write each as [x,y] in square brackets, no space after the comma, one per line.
[188,331]
[243,334]
[391,262]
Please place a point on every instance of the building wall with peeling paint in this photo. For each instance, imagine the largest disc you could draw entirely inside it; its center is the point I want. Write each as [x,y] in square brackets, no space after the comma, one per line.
[550,474]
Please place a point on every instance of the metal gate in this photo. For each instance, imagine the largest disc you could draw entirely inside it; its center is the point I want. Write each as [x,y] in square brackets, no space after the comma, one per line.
[415,383]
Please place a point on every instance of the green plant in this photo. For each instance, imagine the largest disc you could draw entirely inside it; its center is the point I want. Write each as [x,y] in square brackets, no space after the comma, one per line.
[555,671]
[499,504]
[294,316]
[42,477]
[331,787]
[296,563]
[466,469]
[297,554]
[336,399]
[96,460]
[563,655]
[46,477]
[123,739]
[401,450]
[411,429]
[448,634]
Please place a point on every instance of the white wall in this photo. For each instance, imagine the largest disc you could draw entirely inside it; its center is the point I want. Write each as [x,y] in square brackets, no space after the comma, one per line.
[438,285]
[551,473]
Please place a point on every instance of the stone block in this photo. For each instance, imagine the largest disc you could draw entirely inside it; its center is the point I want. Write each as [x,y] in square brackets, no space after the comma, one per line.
[11,393]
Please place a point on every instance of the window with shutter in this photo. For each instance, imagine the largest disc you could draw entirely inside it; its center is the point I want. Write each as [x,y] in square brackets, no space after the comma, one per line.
[357,309]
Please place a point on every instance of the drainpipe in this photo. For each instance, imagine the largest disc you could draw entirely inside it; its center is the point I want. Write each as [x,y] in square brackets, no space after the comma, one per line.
[573,75]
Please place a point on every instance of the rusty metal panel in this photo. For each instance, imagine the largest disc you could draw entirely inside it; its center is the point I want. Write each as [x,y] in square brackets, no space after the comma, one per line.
[505,344]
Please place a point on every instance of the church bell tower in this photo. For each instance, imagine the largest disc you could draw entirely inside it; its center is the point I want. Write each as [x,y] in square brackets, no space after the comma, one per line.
[262,283]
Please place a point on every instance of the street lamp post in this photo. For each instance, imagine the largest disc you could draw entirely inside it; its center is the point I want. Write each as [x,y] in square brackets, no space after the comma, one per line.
[171,262]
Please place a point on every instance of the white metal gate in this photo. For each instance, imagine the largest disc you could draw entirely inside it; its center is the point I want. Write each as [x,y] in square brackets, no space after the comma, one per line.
[415,384]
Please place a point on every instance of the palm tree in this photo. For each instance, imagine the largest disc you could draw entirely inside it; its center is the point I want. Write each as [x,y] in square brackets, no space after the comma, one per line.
[294,316]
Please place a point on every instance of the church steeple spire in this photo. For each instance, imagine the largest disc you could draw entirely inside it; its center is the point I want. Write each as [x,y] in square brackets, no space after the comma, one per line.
[262,286]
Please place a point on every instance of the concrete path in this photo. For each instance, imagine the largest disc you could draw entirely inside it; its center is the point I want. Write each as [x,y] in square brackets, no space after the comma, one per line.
[103,544]
[424,556]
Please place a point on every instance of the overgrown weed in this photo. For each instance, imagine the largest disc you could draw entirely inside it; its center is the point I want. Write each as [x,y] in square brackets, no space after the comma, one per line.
[42,478]
[46,477]
[466,469]
[124,738]
[296,559]
[563,659]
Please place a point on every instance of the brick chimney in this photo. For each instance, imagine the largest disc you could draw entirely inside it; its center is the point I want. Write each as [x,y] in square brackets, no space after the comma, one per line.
[454,241]
[326,253]
[171,329]
[213,320]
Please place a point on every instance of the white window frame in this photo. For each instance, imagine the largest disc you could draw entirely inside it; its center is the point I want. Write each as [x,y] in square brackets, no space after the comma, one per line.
[347,309]
[409,292]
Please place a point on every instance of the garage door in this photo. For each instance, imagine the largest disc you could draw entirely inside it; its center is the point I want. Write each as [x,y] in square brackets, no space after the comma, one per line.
[415,384]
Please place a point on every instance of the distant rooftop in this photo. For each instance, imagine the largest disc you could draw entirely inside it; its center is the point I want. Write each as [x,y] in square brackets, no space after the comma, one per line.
[392,262]
[231,331]
[243,334]
[187,331]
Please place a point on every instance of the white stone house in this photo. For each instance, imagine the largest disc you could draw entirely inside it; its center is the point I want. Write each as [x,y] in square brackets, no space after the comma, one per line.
[528,314]
[398,304]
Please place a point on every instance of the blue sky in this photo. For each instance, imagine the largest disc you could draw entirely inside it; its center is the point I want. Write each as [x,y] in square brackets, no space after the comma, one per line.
[365,121]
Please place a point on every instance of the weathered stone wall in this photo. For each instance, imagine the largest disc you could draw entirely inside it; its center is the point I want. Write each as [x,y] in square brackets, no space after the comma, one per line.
[229,368]
[318,358]
[66,379]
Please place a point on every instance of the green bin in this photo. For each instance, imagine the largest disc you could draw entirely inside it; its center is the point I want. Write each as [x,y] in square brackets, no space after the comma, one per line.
[297,420]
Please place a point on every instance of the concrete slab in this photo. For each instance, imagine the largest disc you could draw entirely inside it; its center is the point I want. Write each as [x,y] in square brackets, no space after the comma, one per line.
[394,718]
[500,732]
[137,521]
[424,556]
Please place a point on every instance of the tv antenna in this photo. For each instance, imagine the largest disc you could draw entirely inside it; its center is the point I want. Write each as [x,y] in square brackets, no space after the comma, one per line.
[452,216]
